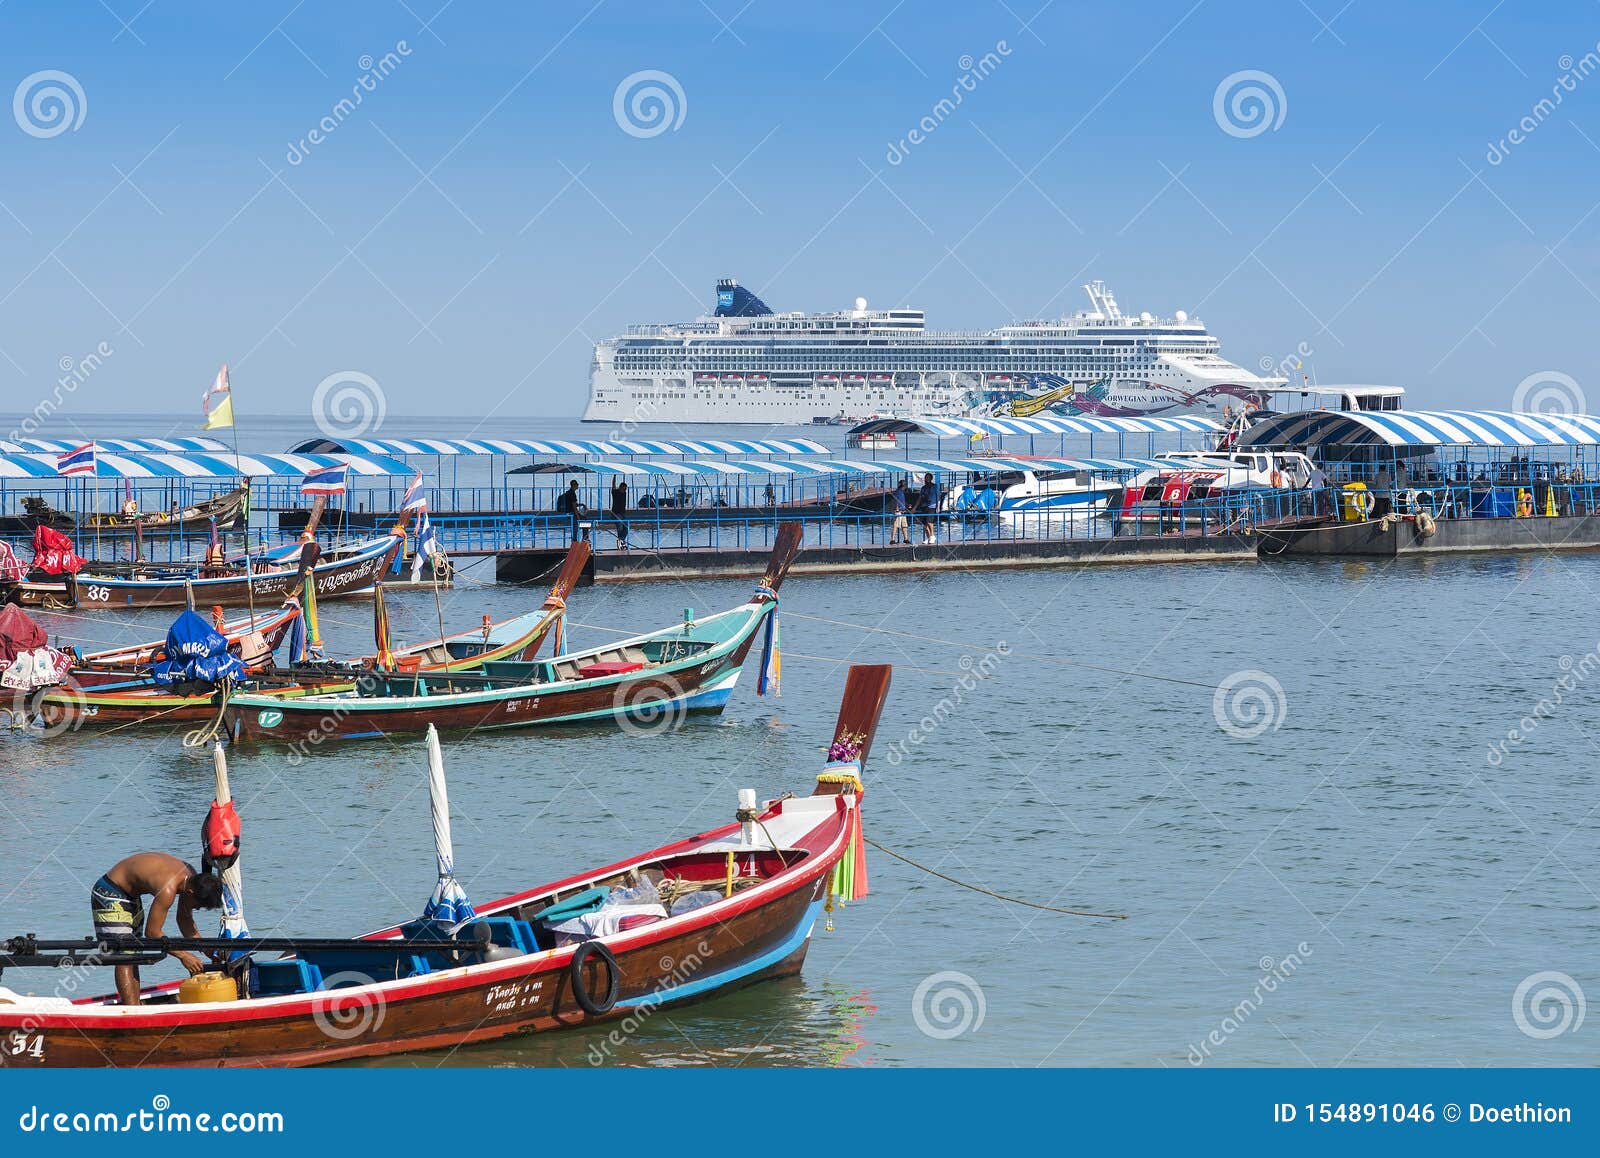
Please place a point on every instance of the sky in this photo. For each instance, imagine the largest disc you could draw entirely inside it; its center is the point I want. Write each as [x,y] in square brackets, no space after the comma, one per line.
[1372,189]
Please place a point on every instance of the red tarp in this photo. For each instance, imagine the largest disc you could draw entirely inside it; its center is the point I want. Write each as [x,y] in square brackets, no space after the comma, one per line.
[53,554]
[11,568]
[18,633]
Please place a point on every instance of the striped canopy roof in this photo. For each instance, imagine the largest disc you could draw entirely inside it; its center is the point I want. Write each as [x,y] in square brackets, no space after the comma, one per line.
[556,446]
[130,445]
[202,465]
[1423,428]
[889,468]
[1047,424]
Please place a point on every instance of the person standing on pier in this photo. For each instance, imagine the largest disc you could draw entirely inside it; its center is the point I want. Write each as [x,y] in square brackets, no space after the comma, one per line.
[899,503]
[569,505]
[928,509]
[619,510]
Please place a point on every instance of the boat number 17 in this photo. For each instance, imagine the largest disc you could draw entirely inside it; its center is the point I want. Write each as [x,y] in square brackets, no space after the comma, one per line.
[23,1043]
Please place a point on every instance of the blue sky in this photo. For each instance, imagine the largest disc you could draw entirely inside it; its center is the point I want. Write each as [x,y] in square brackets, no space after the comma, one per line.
[465,233]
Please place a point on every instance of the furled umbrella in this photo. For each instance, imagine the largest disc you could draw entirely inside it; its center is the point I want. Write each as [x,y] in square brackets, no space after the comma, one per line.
[449,904]
[222,847]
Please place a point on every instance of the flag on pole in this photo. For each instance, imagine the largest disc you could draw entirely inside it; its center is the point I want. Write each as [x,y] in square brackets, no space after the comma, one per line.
[219,415]
[414,499]
[324,480]
[427,545]
[79,461]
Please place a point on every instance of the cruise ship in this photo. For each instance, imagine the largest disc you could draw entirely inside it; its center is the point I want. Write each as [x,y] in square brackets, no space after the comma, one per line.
[746,363]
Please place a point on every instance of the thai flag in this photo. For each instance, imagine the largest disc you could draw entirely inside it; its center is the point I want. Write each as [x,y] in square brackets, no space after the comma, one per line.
[80,461]
[414,499]
[427,545]
[324,480]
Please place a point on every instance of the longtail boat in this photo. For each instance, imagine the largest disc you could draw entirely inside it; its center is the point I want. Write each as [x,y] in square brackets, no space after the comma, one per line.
[221,513]
[89,699]
[651,679]
[264,579]
[118,664]
[733,906]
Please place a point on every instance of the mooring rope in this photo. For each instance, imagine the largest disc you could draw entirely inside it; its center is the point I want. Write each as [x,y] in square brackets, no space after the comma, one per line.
[990,892]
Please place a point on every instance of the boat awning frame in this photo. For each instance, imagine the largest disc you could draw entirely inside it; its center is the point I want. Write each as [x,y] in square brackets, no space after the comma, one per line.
[881,467]
[1496,428]
[183,445]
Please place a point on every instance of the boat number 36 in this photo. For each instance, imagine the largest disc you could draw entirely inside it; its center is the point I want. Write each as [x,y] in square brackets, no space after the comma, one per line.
[97,594]
[21,1043]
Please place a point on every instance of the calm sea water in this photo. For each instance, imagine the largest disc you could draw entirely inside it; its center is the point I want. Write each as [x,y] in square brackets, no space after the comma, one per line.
[1336,873]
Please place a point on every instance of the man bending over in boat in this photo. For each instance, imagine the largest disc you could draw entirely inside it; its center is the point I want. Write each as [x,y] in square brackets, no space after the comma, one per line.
[116,902]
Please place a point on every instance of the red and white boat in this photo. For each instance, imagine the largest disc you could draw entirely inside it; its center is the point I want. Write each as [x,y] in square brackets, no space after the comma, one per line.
[744,899]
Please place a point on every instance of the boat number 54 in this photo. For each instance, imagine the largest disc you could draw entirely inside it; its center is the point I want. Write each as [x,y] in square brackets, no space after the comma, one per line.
[20,1043]
[97,594]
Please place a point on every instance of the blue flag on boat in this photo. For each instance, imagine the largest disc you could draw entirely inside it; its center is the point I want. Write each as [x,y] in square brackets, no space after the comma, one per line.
[414,499]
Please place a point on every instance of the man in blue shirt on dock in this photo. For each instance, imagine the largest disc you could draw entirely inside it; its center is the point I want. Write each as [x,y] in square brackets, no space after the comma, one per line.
[899,503]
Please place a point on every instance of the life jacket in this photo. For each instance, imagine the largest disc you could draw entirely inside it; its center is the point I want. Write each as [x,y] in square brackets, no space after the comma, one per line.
[219,836]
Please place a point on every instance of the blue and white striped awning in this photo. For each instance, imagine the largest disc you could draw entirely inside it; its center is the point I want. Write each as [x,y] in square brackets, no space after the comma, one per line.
[557,446]
[1051,424]
[41,466]
[1423,428]
[884,467]
[128,445]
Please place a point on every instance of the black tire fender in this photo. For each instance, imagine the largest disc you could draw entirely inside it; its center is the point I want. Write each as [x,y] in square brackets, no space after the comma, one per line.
[580,987]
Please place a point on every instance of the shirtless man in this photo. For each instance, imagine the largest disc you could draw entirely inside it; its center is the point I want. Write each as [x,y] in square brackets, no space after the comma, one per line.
[116,903]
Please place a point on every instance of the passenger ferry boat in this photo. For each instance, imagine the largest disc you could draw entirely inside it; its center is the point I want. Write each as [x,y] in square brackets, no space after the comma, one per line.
[745,363]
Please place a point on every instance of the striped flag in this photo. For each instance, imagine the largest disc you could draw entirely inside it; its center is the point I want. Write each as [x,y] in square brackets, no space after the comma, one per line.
[324,480]
[219,416]
[427,545]
[414,499]
[79,461]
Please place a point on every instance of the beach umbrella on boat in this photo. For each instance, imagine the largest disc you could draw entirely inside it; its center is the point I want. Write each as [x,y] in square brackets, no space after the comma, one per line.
[449,903]
[221,838]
